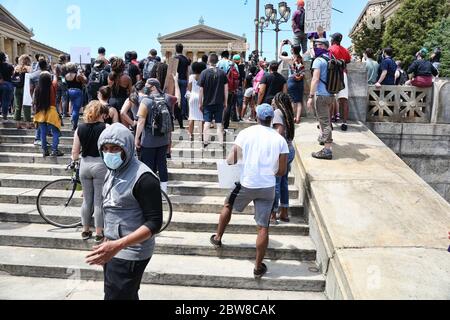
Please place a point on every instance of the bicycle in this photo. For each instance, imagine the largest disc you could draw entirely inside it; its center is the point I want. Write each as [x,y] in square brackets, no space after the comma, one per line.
[59,202]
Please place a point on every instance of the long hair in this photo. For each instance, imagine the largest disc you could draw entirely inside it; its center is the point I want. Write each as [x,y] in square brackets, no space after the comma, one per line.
[24,63]
[42,93]
[283,102]
[118,68]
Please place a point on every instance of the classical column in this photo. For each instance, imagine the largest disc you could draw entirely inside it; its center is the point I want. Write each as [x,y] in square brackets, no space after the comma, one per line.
[14,50]
[2,43]
[195,57]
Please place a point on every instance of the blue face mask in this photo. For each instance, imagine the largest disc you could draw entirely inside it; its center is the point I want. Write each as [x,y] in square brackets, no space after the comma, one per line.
[113,160]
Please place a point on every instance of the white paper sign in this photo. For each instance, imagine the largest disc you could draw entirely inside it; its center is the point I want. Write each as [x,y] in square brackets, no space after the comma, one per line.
[81,55]
[318,13]
[27,100]
[228,175]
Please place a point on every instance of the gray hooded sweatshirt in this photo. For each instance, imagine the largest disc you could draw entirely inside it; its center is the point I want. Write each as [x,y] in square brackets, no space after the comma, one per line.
[122,212]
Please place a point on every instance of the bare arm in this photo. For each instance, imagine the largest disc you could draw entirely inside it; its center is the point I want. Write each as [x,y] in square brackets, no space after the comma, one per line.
[285,88]
[283,165]
[76,148]
[262,93]
[200,99]
[226,96]
[114,115]
[124,113]
[143,112]
[383,76]
[177,88]
[103,253]
[234,156]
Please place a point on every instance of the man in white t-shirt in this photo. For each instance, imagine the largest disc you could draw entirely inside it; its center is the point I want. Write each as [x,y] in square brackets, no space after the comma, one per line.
[264,155]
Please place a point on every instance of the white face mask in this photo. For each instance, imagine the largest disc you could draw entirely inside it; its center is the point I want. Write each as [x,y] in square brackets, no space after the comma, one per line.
[113,160]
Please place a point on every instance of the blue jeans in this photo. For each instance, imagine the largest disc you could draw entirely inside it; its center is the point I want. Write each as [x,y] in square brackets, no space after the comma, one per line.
[44,128]
[282,187]
[183,88]
[6,95]
[76,98]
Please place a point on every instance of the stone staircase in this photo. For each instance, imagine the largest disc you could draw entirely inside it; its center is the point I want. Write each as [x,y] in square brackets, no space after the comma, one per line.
[184,266]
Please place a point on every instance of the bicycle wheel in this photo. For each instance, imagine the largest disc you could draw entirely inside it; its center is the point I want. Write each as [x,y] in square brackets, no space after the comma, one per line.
[59,203]
[167,211]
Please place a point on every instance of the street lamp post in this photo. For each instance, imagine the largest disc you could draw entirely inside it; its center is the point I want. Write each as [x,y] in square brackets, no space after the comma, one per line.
[261,24]
[272,15]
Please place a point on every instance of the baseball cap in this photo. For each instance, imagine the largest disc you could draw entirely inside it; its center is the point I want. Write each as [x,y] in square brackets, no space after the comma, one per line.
[265,111]
[237,58]
[154,83]
[323,40]
[337,37]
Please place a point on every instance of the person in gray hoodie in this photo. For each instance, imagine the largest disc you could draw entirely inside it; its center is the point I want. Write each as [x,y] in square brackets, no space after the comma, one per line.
[132,207]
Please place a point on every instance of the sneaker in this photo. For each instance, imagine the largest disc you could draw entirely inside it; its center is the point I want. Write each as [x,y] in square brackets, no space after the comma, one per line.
[169,156]
[37,143]
[215,243]
[57,153]
[259,273]
[344,127]
[86,235]
[99,238]
[45,154]
[324,154]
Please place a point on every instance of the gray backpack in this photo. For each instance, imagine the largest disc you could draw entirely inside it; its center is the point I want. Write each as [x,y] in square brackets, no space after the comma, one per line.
[161,119]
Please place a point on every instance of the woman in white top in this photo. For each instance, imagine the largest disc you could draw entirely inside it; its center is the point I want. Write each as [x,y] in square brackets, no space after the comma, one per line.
[195,114]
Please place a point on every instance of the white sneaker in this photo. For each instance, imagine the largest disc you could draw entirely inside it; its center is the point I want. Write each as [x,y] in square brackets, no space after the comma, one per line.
[37,142]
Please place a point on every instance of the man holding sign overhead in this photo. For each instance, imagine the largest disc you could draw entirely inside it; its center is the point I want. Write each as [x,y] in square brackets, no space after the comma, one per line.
[264,155]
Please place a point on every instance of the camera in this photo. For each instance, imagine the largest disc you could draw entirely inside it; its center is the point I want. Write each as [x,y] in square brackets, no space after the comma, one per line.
[286,42]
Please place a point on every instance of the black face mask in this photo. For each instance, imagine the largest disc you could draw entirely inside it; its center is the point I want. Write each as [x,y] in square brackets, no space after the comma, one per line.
[147,91]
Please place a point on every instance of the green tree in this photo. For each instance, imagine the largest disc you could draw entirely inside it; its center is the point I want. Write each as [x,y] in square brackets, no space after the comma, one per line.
[369,36]
[439,36]
[408,29]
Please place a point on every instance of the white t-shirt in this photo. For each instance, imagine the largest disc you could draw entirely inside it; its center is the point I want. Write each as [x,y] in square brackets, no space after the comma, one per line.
[261,149]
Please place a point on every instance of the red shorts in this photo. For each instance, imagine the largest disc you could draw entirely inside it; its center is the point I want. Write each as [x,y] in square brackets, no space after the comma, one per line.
[422,81]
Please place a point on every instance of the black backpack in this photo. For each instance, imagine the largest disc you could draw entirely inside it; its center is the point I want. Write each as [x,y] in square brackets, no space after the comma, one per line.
[335,76]
[161,118]
[402,79]
[18,80]
[97,79]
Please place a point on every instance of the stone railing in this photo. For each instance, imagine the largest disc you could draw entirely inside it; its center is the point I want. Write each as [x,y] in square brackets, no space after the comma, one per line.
[400,104]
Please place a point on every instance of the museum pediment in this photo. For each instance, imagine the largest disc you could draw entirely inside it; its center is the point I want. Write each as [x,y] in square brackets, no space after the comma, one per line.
[201,32]
[7,18]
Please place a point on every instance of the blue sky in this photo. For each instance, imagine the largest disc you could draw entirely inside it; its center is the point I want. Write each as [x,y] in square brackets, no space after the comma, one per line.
[120,25]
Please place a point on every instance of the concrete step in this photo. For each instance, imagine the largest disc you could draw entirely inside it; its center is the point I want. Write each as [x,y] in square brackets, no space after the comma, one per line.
[36,157]
[23,288]
[213,151]
[211,272]
[195,188]
[241,246]
[181,221]
[177,141]
[178,134]
[60,170]
[206,204]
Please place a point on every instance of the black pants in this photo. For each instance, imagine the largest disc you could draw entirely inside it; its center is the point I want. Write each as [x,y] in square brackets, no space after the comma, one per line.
[156,159]
[230,113]
[123,279]
[179,116]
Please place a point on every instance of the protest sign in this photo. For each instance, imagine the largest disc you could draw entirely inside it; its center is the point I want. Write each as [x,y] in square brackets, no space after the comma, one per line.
[81,55]
[318,13]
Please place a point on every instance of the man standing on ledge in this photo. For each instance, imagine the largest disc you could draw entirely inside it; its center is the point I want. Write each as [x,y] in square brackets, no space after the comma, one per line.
[264,154]
[323,99]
